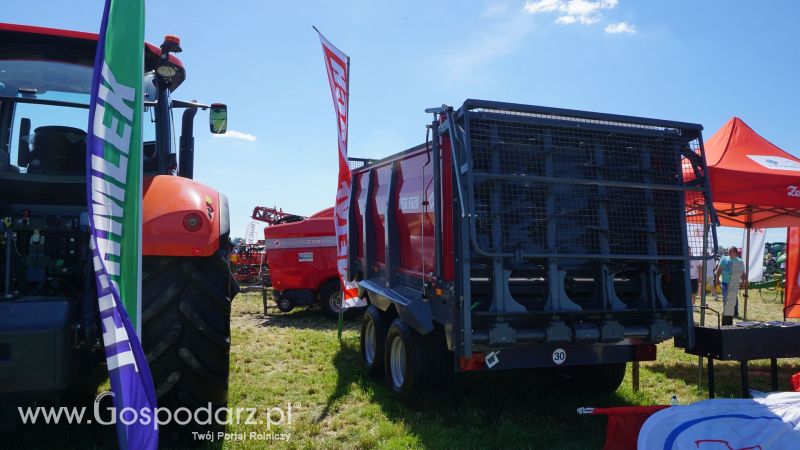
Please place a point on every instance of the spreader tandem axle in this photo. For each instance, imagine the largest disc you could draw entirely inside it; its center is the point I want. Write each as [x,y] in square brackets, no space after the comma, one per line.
[522,237]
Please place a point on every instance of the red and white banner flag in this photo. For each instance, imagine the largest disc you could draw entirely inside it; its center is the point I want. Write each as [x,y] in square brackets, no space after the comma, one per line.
[337,64]
[792,300]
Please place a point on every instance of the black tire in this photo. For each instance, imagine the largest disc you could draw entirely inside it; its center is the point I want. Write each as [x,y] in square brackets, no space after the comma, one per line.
[373,340]
[591,379]
[186,330]
[441,361]
[330,299]
[284,304]
[415,365]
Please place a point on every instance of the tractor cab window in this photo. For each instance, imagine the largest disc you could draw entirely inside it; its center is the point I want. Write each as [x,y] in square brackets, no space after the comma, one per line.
[37,80]
[48,139]
[47,105]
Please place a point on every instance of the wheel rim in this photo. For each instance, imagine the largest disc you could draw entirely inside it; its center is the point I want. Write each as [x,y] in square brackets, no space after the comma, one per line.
[369,342]
[398,362]
[285,303]
[335,301]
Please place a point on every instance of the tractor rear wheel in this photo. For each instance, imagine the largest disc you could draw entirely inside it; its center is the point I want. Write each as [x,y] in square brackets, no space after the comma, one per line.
[186,309]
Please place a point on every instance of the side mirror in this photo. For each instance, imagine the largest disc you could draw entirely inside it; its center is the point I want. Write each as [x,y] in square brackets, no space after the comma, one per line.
[218,118]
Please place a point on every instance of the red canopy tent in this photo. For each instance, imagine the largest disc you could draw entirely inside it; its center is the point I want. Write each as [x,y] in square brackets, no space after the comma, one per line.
[754,183]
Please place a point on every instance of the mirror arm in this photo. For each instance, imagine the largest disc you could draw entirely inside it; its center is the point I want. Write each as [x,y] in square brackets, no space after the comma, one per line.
[188,105]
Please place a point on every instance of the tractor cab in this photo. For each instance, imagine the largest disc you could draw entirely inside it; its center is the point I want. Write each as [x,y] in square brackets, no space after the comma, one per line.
[45,84]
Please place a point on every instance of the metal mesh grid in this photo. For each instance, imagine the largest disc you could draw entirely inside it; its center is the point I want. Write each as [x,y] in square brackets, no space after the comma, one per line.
[606,189]
[356,163]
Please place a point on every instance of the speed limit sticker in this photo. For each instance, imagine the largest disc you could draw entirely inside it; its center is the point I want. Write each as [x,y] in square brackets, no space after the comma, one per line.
[559,356]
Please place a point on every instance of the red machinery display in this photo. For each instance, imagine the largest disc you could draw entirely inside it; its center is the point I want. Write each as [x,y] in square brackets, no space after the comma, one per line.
[250,264]
[249,260]
[302,260]
[273,216]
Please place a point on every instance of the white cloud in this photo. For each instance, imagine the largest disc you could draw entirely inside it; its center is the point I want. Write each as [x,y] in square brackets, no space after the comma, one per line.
[499,39]
[584,12]
[566,20]
[538,6]
[621,27]
[495,10]
[233,134]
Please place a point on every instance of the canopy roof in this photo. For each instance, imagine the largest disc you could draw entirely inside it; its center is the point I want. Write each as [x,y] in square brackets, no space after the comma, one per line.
[754,183]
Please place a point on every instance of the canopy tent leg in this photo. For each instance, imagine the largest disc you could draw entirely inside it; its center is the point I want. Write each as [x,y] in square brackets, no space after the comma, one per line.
[746,269]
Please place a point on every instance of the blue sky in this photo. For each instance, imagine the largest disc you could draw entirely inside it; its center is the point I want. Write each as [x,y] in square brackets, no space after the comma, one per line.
[682,60]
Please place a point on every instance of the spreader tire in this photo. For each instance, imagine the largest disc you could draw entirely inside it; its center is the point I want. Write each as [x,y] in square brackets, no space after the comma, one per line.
[186,329]
[373,338]
[408,362]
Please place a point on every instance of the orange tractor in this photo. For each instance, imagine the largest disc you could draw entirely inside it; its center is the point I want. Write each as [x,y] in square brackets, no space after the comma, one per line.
[49,327]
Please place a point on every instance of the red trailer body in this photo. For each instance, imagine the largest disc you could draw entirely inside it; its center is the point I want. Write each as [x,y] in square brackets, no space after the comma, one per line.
[302,260]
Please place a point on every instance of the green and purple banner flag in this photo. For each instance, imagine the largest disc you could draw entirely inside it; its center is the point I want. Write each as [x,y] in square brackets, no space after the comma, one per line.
[114,188]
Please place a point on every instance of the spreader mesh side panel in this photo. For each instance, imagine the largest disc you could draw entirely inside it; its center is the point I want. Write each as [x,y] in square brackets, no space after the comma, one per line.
[576,188]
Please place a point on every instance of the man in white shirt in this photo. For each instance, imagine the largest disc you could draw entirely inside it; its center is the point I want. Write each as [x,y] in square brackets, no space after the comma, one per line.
[731,274]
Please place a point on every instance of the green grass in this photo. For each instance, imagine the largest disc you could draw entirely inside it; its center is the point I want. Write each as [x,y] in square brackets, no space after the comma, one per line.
[295,358]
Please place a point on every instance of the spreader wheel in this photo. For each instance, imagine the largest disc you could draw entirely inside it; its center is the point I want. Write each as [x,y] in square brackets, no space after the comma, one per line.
[373,338]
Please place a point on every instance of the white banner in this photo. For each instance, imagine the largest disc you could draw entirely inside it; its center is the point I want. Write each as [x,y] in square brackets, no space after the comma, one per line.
[755,260]
[770,422]
[250,234]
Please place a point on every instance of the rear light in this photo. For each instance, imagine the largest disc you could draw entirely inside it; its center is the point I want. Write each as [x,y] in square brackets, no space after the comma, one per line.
[477,362]
[192,222]
[197,251]
[644,353]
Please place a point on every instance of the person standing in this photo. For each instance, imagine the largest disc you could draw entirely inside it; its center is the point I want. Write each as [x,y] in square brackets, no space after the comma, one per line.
[731,275]
[695,270]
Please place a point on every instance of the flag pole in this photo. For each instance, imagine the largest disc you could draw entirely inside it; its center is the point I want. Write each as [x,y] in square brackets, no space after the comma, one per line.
[344,288]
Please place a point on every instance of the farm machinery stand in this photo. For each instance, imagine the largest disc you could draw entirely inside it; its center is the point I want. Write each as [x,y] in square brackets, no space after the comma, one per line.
[249,259]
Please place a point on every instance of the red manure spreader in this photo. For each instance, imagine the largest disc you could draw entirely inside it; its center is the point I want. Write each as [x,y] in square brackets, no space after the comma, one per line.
[526,237]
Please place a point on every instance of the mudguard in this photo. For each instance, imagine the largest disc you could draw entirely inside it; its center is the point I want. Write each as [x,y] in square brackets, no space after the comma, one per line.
[167,200]
[409,303]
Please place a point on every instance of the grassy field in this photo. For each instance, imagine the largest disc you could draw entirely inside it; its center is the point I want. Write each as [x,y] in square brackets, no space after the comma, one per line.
[295,359]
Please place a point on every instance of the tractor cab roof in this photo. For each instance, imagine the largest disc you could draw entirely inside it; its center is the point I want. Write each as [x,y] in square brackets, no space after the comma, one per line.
[25,42]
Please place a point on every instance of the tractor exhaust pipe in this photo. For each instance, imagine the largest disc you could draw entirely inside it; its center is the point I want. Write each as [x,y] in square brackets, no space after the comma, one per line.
[186,144]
